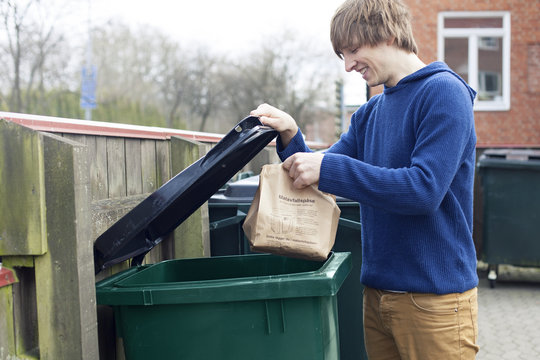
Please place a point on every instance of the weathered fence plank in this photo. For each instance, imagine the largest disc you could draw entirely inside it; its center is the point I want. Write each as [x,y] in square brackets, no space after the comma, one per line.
[148,166]
[97,152]
[116,167]
[163,162]
[133,167]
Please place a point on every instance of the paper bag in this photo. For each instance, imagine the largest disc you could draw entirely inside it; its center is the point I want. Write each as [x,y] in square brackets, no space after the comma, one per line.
[287,221]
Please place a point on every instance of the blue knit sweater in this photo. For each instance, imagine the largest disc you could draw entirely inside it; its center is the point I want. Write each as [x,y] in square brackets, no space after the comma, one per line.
[408,158]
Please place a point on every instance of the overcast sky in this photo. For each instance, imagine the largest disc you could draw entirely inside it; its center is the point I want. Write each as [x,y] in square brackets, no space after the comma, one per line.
[222,25]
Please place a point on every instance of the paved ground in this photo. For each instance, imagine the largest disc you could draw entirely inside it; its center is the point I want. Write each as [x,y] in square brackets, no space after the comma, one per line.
[509,315]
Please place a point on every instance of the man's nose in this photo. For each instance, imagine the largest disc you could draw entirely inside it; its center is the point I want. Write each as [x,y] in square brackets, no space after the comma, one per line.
[349,63]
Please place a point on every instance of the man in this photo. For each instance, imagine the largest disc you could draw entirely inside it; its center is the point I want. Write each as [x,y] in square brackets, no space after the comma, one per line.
[408,158]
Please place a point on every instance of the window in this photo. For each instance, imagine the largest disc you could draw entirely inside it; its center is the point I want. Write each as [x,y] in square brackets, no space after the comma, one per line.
[476,45]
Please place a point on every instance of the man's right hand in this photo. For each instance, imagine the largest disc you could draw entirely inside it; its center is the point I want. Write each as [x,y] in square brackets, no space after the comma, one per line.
[277,119]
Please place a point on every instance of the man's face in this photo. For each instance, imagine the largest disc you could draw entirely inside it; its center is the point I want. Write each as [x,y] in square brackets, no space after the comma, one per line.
[371,62]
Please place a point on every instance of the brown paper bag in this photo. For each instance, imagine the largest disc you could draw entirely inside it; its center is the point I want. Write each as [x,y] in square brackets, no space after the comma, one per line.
[291,222]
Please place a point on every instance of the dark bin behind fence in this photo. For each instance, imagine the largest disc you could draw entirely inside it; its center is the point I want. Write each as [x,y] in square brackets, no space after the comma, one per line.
[510,182]
[227,210]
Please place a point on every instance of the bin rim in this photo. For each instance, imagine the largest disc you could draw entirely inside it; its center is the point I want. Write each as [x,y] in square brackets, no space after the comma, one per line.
[489,163]
[325,281]
[119,284]
[510,158]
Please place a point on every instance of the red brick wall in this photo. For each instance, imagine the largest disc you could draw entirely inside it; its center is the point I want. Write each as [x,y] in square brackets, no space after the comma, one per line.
[520,126]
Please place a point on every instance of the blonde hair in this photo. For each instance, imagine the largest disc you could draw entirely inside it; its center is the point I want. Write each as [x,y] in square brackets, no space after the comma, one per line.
[357,23]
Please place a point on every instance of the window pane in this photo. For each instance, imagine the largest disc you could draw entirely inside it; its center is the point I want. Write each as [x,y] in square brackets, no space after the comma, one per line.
[471,22]
[456,55]
[489,68]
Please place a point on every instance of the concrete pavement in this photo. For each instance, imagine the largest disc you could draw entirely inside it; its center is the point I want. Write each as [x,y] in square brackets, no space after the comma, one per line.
[509,314]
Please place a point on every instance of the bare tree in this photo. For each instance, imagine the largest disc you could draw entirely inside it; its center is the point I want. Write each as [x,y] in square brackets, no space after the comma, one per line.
[206,92]
[13,15]
[171,79]
[126,61]
[145,66]
[31,44]
[188,83]
[287,72]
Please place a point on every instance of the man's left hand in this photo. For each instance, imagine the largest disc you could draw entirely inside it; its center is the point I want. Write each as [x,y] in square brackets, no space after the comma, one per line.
[304,168]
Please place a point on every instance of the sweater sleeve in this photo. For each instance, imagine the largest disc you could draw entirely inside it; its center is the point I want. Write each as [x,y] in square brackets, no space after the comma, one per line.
[443,140]
[297,144]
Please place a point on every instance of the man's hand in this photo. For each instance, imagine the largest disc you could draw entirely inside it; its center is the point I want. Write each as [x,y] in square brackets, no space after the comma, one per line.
[277,119]
[304,168]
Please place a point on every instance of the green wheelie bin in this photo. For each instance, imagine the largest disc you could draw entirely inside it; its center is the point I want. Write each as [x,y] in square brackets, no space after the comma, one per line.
[243,307]
[510,183]
[257,306]
[227,210]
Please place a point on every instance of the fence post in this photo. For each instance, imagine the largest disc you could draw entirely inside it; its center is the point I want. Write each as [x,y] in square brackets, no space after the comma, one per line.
[46,237]
[64,274]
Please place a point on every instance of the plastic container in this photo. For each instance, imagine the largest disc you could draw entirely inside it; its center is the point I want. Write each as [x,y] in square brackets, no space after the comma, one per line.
[511,208]
[236,307]
[227,211]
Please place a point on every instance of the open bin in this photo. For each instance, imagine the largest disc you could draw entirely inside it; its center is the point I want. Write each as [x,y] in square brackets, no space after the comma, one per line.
[510,180]
[240,307]
[255,306]
[227,211]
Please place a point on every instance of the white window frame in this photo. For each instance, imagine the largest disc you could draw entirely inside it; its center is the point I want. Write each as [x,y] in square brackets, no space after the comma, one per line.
[473,35]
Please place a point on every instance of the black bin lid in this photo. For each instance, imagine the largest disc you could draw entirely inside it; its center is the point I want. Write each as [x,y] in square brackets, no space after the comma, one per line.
[135,234]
